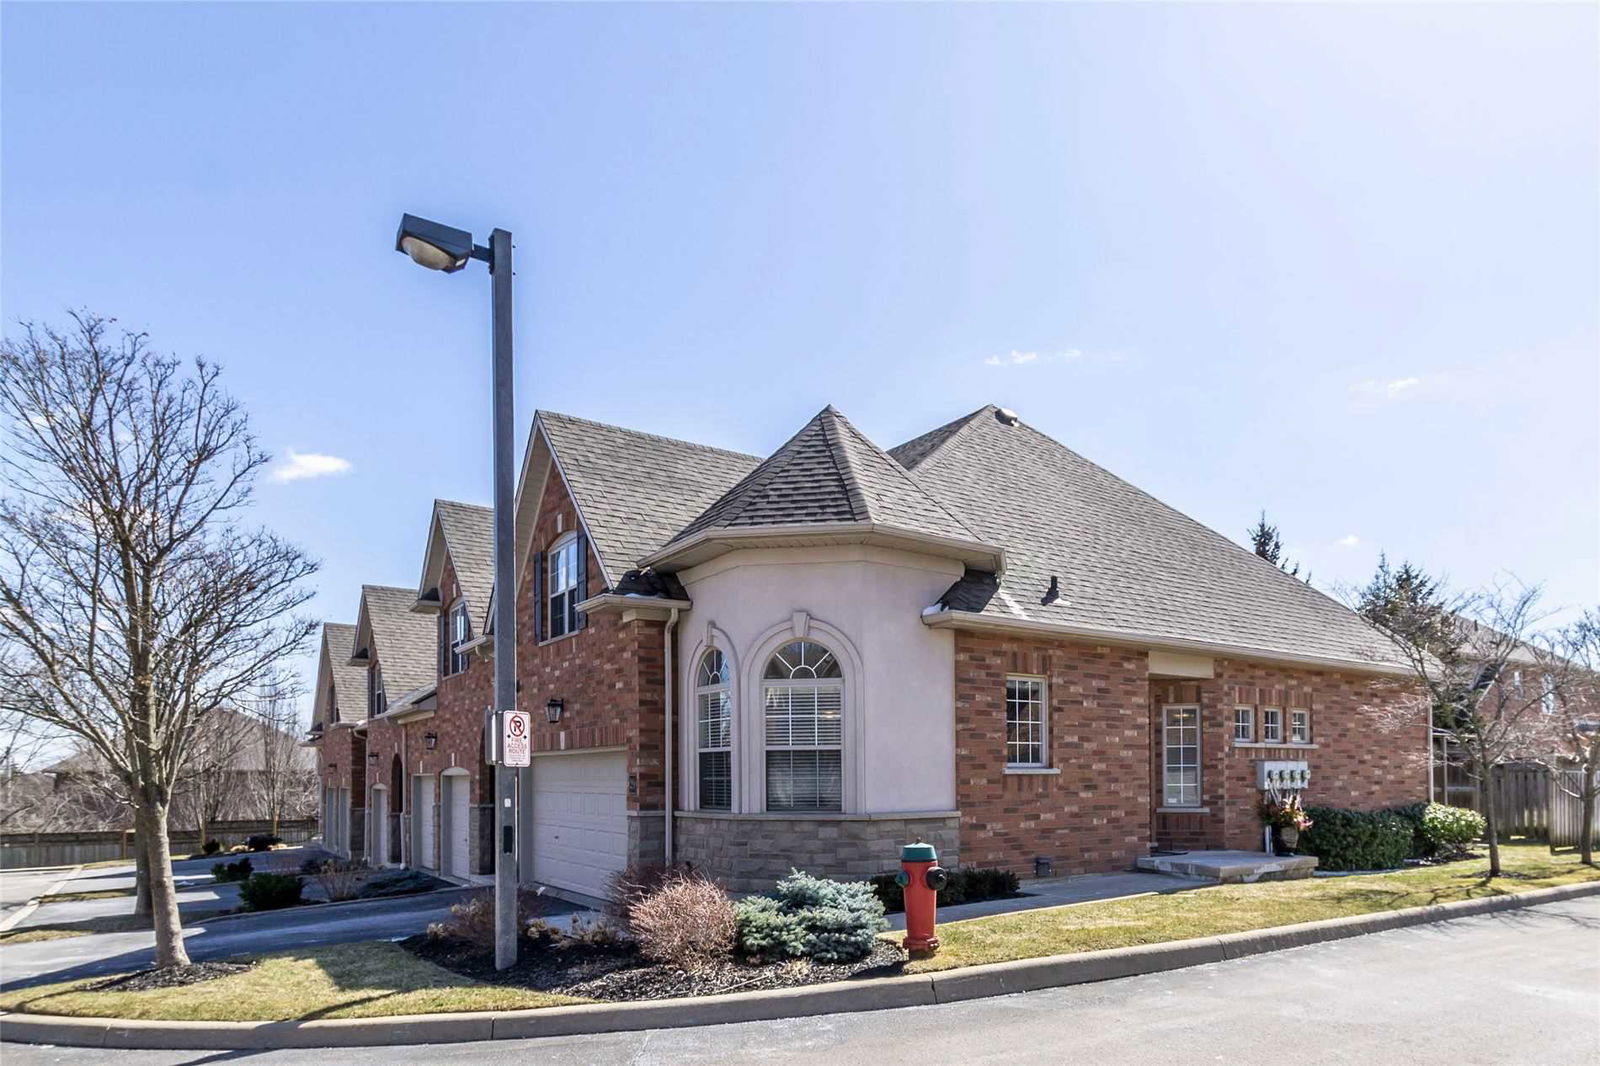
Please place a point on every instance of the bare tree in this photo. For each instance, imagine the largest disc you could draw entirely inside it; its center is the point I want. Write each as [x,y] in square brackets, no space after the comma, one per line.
[286,782]
[1574,704]
[1481,672]
[213,784]
[132,599]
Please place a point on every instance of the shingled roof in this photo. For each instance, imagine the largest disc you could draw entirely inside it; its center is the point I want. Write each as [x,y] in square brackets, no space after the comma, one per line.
[469,537]
[829,473]
[349,682]
[1126,563]
[406,643]
[635,490]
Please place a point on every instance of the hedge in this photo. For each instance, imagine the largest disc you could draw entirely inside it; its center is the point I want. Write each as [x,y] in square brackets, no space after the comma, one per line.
[1357,840]
[966,885]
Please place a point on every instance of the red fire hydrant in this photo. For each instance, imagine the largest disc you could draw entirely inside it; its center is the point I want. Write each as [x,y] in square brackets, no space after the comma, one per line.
[922,877]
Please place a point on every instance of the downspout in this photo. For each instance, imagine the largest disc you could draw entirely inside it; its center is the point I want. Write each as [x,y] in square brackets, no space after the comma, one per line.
[671,798]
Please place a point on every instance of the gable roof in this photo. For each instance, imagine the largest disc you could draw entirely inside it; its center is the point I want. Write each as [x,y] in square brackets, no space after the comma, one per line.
[1126,563]
[333,668]
[829,473]
[466,532]
[635,490]
[406,643]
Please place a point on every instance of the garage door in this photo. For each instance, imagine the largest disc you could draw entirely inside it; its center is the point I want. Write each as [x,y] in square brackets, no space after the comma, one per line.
[455,812]
[580,821]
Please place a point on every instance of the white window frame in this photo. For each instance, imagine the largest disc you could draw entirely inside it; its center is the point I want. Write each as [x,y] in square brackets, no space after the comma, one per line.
[1039,702]
[1246,717]
[703,692]
[458,631]
[561,561]
[1299,725]
[793,683]
[1549,699]
[1168,726]
[1272,725]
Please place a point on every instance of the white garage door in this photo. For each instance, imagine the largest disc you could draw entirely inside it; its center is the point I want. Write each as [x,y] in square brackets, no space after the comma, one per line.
[456,827]
[580,820]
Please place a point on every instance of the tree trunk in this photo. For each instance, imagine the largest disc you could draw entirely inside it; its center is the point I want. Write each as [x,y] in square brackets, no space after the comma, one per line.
[1586,823]
[152,822]
[1491,833]
[141,873]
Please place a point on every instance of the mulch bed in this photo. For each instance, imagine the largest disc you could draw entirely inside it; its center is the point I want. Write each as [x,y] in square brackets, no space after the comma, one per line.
[620,973]
[171,977]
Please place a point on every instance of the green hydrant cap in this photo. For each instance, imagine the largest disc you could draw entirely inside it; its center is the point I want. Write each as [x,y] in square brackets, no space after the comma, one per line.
[918,852]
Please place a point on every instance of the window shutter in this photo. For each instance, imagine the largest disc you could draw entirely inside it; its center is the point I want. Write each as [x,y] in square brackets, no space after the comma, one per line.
[581,585]
[444,644]
[538,597]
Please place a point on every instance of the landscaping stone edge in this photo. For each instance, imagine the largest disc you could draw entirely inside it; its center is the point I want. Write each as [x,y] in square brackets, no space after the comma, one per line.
[946,986]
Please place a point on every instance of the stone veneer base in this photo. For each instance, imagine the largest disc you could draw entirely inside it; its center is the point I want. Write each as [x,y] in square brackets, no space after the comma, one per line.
[748,852]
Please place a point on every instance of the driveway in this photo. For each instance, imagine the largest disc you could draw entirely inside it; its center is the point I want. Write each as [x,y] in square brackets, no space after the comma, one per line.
[1518,987]
[208,937]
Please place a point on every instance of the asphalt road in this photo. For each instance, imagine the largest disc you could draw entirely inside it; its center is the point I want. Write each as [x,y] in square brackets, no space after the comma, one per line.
[17,887]
[1519,987]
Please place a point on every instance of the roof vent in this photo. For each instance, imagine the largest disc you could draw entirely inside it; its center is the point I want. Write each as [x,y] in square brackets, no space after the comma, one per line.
[1006,415]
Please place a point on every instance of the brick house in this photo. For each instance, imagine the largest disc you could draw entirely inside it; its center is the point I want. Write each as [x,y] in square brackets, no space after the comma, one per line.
[338,712]
[978,638]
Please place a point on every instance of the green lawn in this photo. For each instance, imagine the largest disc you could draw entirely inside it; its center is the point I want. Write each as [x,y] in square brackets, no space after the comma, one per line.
[376,979]
[364,980]
[1238,908]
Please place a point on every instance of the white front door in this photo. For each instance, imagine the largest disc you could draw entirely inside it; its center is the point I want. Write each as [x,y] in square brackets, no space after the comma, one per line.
[580,820]
[378,829]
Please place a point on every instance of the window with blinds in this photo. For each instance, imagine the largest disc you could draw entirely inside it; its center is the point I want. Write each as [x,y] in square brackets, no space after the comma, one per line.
[803,709]
[562,588]
[714,732]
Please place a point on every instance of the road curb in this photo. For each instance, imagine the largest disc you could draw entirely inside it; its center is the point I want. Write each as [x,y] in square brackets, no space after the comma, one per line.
[946,986]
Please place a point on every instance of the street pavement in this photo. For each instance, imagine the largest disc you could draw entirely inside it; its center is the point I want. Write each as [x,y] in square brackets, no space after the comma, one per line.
[17,887]
[1516,987]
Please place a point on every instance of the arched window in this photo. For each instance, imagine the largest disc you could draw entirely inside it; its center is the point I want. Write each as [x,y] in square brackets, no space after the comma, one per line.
[802,694]
[714,732]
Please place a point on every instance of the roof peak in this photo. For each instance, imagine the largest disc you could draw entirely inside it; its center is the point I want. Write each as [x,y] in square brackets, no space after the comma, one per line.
[541,413]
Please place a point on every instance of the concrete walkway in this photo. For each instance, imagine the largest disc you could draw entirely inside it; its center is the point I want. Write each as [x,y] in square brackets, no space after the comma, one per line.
[1060,891]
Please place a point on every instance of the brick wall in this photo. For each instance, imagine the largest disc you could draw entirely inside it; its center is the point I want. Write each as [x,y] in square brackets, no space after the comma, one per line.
[342,764]
[1364,753]
[1094,813]
[609,674]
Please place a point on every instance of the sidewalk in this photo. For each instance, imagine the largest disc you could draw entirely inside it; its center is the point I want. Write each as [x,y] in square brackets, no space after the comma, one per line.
[1060,891]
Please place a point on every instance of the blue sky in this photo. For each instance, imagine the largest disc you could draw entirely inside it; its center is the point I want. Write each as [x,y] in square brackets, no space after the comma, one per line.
[1337,262]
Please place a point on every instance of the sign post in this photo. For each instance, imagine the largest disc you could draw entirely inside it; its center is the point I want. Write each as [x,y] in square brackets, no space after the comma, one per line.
[516,740]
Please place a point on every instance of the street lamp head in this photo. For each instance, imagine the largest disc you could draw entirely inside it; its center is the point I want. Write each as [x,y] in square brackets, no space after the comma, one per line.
[433,245]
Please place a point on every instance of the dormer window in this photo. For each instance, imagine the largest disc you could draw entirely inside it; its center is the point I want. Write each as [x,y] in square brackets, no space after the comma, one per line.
[377,702]
[458,631]
[562,587]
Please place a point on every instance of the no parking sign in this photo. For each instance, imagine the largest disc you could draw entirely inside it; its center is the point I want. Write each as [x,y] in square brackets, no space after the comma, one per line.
[516,741]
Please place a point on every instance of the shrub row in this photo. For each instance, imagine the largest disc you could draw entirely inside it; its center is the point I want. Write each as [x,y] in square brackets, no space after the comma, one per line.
[1356,840]
[966,885]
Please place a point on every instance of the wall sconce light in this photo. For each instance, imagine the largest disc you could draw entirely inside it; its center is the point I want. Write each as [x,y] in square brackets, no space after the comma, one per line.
[430,740]
[553,709]
[372,756]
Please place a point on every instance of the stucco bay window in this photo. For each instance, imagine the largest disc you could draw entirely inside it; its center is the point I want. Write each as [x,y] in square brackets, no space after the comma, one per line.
[1180,729]
[802,694]
[714,733]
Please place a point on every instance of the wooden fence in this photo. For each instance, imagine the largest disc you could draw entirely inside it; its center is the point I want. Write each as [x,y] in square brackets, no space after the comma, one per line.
[23,850]
[1530,803]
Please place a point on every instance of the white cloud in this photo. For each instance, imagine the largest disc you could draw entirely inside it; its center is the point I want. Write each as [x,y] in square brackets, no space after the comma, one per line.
[1067,355]
[1349,540]
[301,465]
[1385,390]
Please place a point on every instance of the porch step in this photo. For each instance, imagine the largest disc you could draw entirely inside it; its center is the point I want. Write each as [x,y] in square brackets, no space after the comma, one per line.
[1231,867]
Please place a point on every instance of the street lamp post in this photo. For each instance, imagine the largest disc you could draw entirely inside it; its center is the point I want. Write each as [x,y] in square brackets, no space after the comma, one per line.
[444,248]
